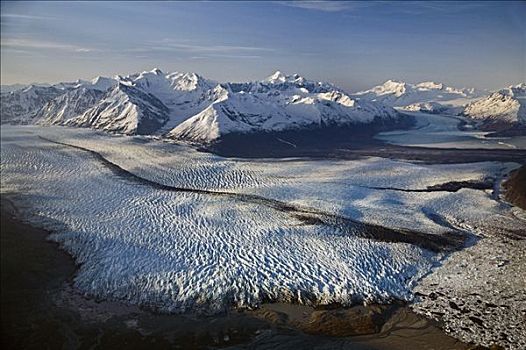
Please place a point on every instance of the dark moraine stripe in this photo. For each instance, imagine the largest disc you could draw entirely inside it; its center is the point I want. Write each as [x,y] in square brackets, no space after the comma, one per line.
[449,241]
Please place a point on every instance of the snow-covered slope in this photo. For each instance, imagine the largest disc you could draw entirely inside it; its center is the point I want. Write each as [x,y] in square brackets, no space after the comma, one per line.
[185,94]
[124,109]
[432,108]
[100,84]
[499,110]
[277,103]
[68,105]
[12,87]
[188,106]
[51,102]
[401,94]
[506,106]
[138,103]
[21,106]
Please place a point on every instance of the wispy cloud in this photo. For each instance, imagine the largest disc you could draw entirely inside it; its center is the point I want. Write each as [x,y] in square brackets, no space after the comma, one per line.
[24,16]
[183,48]
[449,6]
[323,5]
[196,50]
[39,44]
[409,7]
[438,7]
[212,56]
[19,52]
[204,48]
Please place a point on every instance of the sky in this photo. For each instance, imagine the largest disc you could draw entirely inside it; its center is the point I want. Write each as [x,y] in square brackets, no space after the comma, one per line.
[354,45]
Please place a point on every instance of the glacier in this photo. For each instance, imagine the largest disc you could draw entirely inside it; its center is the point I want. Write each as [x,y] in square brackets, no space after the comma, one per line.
[442,131]
[209,246]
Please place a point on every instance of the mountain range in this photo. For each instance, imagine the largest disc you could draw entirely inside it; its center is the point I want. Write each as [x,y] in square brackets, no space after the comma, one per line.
[402,94]
[190,107]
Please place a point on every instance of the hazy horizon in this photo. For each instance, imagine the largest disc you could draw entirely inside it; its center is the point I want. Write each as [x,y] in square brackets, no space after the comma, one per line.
[354,45]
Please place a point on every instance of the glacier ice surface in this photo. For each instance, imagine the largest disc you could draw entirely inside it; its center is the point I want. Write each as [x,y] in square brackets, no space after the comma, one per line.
[176,251]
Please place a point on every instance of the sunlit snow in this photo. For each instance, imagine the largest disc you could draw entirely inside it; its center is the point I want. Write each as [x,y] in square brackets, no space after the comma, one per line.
[177,250]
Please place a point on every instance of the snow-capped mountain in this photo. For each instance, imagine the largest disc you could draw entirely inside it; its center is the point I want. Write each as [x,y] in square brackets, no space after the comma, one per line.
[77,98]
[12,87]
[21,106]
[28,104]
[68,105]
[125,109]
[188,106]
[277,103]
[433,108]
[506,106]
[140,103]
[100,84]
[499,110]
[401,94]
[184,94]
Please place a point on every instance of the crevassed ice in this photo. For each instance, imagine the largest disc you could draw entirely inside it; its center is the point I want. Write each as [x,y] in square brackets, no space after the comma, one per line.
[178,251]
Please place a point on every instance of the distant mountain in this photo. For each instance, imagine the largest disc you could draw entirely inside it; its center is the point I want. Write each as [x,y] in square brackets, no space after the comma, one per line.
[13,87]
[188,106]
[76,98]
[21,106]
[501,109]
[433,108]
[280,102]
[401,94]
[124,109]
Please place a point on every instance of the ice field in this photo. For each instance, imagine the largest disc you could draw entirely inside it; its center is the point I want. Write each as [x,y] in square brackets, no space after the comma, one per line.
[441,131]
[166,226]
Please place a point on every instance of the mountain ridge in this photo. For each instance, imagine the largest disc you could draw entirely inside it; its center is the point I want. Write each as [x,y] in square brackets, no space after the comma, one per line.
[187,106]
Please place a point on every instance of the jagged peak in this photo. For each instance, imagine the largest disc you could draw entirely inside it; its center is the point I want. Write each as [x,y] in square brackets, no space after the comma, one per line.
[99,78]
[280,77]
[157,71]
[430,85]
[101,83]
[391,86]
[221,92]
[190,76]
[35,87]
[277,76]
[521,86]
[394,83]
[188,81]
[518,90]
